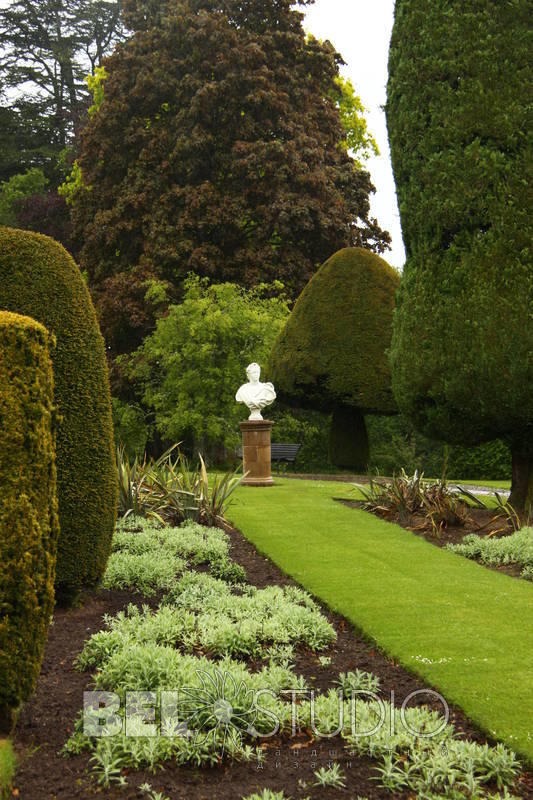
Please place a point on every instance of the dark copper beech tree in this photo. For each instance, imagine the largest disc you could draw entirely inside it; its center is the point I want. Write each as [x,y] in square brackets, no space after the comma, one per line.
[218,149]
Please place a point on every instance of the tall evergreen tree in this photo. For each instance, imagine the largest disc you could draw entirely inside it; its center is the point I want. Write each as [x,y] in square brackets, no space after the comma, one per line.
[218,149]
[48,46]
[26,139]
[459,97]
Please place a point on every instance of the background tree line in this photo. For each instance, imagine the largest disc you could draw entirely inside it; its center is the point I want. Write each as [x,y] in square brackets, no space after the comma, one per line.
[213,139]
[47,48]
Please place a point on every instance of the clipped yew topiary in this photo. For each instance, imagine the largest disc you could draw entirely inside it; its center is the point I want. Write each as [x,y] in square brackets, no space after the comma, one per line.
[458,114]
[28,507]
[40,279]
[332,353]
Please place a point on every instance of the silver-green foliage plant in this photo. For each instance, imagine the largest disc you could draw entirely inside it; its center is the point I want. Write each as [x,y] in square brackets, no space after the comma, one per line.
[164,650]
[241,623]
[151,793]
[203,684]
[148,557]
[358,682]
[267,794]
[144,572]
[408,758]
[205,614]
[330,776]
[514,549]
[417,752]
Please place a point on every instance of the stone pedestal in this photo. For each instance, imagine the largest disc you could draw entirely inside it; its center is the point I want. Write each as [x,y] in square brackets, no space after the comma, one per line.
[256,452]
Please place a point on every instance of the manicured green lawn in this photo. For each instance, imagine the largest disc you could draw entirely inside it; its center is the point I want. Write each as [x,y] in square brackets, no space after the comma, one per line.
[489,484]
[465,629]
[7,764]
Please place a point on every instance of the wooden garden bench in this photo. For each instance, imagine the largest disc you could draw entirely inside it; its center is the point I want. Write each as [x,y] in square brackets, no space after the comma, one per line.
[284,453]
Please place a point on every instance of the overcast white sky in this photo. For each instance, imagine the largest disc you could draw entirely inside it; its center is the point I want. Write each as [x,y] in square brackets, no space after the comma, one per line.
[361,31]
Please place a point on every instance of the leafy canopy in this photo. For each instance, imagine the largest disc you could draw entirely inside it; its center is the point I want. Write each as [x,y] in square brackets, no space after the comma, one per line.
[47,48]
[358,139]
[195,360]
[16,189]
[220,148]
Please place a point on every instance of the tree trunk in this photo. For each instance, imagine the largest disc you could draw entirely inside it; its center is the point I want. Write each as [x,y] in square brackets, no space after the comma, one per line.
[521,497]
[348,440]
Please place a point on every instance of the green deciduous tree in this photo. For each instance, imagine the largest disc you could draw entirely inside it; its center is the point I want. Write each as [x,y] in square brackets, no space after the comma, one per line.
[458,110]
[16,189]
[351,110]
[219,148]
[193,363]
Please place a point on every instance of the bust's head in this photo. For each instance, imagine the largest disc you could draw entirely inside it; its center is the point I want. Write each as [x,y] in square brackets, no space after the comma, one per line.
[253,372]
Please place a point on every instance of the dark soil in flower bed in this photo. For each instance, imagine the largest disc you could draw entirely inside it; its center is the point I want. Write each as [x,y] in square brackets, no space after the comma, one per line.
[484,522]
[47,720]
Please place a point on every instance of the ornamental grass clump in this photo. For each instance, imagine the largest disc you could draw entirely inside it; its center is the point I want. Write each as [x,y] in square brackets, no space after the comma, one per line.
[171,491]
[407,496]
[401,495]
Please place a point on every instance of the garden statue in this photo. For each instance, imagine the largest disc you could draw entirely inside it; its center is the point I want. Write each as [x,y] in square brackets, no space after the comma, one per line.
[254,394]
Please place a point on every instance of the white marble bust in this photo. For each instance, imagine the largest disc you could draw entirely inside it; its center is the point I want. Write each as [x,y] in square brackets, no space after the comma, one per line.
[254,394]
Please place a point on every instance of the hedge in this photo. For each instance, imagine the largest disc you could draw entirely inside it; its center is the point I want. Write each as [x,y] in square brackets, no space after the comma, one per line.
[29,525]
[39,278]
[458,113]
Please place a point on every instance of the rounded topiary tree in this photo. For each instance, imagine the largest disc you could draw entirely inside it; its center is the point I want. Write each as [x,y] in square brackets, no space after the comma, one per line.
[40,279]
[28,507]
[332,353]
[458,116]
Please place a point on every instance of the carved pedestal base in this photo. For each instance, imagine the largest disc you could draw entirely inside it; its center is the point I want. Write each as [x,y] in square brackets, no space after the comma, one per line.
[256,452]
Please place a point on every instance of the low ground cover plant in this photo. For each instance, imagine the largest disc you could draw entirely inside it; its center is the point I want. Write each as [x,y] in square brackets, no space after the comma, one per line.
[442,765]
[352,683]
[267,794]
[197,643]
[514,549]
[148,557]
[330,776]
[204,614]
